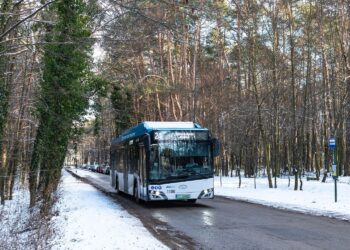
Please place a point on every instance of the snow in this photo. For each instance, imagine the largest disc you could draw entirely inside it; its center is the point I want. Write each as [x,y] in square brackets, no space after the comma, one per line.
[20,226]
[88,219]
[316,198]
[13,217]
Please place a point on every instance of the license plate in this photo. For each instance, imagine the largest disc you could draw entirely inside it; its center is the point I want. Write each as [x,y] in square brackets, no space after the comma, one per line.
[183,196]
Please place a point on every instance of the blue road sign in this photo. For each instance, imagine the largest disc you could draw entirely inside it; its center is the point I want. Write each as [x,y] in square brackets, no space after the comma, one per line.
[331,143]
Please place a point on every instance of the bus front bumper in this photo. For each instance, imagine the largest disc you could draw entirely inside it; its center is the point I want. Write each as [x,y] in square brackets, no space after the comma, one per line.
[191,190]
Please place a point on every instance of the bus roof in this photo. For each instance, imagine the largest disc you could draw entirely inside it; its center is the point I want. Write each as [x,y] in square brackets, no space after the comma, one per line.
[148,126]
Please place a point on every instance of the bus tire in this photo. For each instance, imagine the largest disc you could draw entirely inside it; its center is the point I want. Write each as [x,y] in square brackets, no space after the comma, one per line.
[136,193]
[116,185]
[192,201]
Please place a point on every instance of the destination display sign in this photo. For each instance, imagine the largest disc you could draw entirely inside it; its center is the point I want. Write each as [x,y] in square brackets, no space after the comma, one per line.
[180,135]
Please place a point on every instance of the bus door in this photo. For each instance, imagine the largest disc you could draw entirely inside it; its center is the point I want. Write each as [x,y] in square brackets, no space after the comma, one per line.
[126,169]
[113,160]
[142,170]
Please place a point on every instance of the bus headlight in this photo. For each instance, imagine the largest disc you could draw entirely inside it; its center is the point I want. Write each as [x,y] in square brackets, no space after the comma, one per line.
[157,195]
[207,193]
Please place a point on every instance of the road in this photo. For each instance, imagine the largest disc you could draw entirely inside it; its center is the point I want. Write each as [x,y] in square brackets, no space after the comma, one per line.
[228,224]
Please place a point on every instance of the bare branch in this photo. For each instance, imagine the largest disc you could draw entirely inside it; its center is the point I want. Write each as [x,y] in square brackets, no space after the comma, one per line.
[24,19]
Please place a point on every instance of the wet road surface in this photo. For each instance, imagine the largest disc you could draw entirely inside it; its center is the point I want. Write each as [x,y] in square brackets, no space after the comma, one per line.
[223,223]
[227,224]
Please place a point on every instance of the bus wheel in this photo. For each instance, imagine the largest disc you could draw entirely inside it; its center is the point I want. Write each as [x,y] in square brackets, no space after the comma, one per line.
[192,201]
[136,194]
[116,185]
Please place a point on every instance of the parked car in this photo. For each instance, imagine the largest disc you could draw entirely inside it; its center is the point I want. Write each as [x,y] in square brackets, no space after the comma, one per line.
[98,169]
[108,170]
[93,167]
[102,169]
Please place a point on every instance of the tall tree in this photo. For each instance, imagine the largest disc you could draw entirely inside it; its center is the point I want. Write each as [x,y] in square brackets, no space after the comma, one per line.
[343,28]
[63,95]
[268,68]
[4,90]
[122,105]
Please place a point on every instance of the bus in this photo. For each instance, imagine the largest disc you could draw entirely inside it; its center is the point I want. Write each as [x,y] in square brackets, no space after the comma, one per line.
[162,161]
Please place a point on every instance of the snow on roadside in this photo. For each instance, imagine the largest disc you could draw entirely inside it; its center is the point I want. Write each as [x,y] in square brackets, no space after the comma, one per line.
[22,227]
[316,198]
[13,219]
[87,219]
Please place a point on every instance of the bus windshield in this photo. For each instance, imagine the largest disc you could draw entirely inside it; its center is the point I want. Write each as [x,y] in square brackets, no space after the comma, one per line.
[180,160]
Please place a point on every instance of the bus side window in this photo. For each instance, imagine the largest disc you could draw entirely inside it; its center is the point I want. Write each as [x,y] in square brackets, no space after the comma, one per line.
[120,160]
[132,158]
[154,168]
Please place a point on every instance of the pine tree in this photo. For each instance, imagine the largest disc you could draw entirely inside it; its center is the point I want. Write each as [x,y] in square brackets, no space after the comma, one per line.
[122,104]
[63,96]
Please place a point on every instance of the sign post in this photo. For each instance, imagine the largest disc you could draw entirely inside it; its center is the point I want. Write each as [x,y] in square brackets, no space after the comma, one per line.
[332,145]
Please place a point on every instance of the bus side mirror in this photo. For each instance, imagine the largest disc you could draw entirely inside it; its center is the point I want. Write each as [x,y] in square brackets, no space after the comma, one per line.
[147,142]
[216,147]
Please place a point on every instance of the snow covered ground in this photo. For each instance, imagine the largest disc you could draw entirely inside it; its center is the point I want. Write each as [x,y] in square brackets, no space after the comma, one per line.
[316,198]
[13,217]
[87,219]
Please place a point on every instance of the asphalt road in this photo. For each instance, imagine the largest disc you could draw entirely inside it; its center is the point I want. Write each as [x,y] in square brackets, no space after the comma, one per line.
[223,223]
[227,224]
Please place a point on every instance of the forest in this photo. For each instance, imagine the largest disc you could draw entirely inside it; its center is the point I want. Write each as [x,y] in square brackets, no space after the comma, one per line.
[269,78]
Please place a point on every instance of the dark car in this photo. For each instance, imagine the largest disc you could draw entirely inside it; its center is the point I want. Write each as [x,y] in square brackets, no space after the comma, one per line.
[108,170]
[102,169]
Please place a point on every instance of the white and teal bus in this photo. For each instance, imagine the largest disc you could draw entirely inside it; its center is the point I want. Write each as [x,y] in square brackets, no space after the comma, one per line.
[157,161]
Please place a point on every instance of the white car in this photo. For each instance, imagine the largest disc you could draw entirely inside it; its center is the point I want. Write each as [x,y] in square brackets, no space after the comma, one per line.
[94,167]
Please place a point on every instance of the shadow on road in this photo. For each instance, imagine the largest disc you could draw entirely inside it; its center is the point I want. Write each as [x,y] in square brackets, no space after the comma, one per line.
[165,204]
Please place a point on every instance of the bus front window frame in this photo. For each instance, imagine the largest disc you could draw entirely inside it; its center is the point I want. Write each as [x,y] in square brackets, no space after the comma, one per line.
[170,162]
